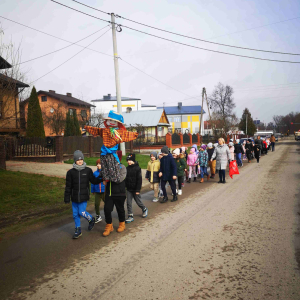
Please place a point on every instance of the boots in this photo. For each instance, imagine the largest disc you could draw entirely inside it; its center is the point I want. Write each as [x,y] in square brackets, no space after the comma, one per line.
[207,177]
[121,227]
[108,229]
[189,181]
[195,179]
[164,200]
[175,198]
[77,233]
[212,176]
[202,180]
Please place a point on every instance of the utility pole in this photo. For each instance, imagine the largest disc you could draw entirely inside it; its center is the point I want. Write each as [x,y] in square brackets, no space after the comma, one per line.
[117,77]
[203,91]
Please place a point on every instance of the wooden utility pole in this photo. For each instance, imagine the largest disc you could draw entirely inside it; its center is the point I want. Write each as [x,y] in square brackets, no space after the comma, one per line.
[203,91]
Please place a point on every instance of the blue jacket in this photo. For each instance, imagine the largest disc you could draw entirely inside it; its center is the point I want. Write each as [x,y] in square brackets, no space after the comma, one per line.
[97,188]
[168,167]
[202,159]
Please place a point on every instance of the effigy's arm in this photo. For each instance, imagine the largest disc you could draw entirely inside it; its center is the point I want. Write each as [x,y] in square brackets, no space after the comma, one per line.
[128,136]
[94,130]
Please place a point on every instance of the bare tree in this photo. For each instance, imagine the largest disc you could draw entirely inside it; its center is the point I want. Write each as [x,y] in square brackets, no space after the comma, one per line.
[222,102]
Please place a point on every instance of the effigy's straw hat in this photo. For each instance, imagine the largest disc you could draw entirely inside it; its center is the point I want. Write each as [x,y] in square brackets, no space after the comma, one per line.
[112,115]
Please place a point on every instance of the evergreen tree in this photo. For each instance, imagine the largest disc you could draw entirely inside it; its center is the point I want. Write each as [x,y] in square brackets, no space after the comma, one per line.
[251,128]
[67,131]
[77,130]
[35,124]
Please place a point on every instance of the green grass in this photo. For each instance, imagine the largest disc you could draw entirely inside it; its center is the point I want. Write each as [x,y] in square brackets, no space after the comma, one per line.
[141,158]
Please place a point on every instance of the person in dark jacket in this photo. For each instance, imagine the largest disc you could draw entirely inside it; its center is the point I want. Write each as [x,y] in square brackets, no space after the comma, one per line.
[115,195]
[181,168]
[259,144]
[78,190]
[238,150]
[167,172]
[133,184]
[249,150]
[212,164]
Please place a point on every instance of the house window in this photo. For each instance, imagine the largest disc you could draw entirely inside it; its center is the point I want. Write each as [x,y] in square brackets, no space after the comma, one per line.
[44,98]
[83,114]
[72,111]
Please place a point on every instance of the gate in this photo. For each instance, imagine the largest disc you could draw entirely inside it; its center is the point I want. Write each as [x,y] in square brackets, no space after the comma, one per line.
[186,138]
[175,139]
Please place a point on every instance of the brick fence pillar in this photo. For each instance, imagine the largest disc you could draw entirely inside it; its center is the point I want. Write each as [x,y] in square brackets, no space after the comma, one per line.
[91,145]
[199,139]
[59,148]
[181,139]
[2,154]
[169,140]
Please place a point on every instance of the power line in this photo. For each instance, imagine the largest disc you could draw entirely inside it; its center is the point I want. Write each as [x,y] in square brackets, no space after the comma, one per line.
[196,47]
[70,57]
[23,62]
[190,37]
[53,36]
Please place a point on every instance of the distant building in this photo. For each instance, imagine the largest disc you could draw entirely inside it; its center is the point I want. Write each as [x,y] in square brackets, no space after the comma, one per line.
[185,118]
[109,102]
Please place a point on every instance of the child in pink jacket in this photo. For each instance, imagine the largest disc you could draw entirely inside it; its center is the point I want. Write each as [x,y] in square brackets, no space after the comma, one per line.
[191,160]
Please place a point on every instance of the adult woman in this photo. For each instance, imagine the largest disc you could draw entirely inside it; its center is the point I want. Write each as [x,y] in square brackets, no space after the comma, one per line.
[222,155]
[249,150]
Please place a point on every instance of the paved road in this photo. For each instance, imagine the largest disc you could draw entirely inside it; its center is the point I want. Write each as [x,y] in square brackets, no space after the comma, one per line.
[232,241]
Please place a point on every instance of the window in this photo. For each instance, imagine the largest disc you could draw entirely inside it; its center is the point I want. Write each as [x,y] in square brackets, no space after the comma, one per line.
[44,98]
[72,111]
[83,114]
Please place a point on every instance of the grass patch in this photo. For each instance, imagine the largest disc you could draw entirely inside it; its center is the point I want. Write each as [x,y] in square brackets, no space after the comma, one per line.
[141,158]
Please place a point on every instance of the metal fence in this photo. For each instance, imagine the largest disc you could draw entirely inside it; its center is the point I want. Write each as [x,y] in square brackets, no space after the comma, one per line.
[175,139]
[186,138]
[32,146]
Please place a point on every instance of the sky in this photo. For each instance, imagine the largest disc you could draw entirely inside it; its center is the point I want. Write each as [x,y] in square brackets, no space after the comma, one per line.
[176,73]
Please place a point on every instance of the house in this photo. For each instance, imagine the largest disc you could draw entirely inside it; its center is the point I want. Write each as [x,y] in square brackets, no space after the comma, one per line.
[184,119]
[10,89]
[109,102]
[54,106]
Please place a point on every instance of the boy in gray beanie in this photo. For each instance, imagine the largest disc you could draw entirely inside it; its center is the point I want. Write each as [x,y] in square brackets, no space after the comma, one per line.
[78,191]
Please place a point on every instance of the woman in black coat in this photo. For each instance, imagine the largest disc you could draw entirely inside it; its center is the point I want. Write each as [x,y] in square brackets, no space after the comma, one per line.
[249,150]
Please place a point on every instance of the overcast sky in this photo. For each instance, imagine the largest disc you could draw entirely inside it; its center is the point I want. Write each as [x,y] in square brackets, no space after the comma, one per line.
[259,85]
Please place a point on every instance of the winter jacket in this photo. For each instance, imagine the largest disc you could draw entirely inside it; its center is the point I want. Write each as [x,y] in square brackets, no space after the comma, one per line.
[97,188]
[238,148]
[191,160]
[249,147]
[222,155]
[78,185]
[202,159]
[272,139]
[115,189]
[265,145]
[153,171]
[168,167]
[181,165]
[133,181]
[259,143]
[210,152]
[231,150]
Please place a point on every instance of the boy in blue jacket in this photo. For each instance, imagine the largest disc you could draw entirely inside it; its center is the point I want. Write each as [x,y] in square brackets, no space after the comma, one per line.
[168,172]
[99,191]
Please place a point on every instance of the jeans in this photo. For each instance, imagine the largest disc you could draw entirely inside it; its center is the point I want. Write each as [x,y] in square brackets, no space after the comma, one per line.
[79,210]
[172,185]
[137,199]
[273,146]
[239,159]
[203,171]
[110,202]
[222,175]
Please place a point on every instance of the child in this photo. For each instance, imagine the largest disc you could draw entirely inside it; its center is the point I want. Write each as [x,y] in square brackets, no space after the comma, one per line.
[212,164]
[161,194]
[244,149]
[133,183]
[181,168]
[239,151]
[78,189]
[99,191]
[167,173]
[231,150]
[152,174]
[202,160]
[192,157]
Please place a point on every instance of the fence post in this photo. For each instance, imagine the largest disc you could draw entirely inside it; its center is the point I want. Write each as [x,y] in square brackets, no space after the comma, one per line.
[2,154]
[181,139]
[59,148]
[169,140]
[91,145]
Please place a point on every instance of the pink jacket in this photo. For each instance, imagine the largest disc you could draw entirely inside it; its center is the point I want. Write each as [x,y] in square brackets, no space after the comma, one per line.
[191,159]
[231,150]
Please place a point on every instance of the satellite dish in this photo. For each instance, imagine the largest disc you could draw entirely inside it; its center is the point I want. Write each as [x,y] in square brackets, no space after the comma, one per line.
[52,110]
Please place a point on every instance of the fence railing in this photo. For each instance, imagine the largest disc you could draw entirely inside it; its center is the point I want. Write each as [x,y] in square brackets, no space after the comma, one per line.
[33,146]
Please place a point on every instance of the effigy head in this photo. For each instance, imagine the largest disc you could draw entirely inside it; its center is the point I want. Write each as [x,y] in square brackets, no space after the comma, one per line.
[113,119]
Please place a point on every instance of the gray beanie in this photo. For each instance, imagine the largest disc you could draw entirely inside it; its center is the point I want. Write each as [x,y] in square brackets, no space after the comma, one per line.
[165,150]
[78,155]
[154,154]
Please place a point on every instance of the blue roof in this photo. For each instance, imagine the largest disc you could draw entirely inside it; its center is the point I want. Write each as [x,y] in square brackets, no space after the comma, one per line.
[174,110]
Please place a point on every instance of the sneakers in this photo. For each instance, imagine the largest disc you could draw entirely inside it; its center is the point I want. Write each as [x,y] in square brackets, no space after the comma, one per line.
[98,219]
[129,219]
[77,233]
[155,200]
[91,224]
[179,192]
[145,212]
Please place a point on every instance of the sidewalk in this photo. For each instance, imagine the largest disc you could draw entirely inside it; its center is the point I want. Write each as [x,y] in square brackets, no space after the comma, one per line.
[51,169]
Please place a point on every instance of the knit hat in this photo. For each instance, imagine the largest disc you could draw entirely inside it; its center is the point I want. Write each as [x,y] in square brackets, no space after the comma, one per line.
[231,140]
[203,147]
[249,140]
[98,161]
[209,145]
[183,149]
[176,151]
[165,150]
[237,141]
[78,155]
[193,150]
[154,154]
[131,156]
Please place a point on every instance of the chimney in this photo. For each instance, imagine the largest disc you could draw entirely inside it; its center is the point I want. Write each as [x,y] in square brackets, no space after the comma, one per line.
[179,105]
[108,97]
[69,94]
[51,91]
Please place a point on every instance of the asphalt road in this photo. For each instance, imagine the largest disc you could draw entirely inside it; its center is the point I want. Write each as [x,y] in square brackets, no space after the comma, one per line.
[234,241]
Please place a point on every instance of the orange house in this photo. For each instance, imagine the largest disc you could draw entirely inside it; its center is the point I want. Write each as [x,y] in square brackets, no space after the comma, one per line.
[54,109]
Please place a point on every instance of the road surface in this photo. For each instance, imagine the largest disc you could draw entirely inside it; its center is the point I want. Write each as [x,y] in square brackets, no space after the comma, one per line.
[238,240]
